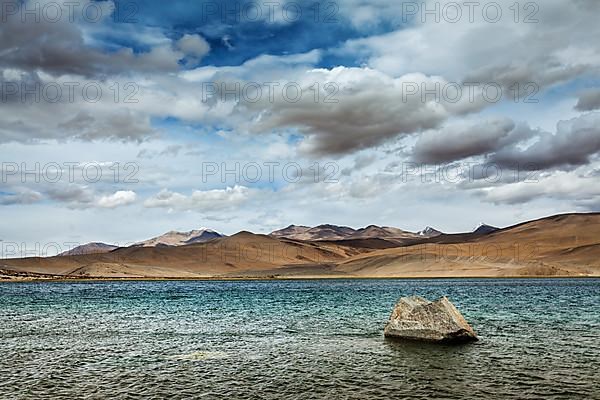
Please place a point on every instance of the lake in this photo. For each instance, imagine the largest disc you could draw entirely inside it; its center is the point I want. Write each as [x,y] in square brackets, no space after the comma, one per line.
[297,339]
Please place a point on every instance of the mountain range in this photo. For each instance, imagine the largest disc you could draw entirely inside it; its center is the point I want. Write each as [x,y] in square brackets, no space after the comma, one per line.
[89,248]
[334,232]
[171,238]
[297,232]
[175,238]
[562,245]
[485,229]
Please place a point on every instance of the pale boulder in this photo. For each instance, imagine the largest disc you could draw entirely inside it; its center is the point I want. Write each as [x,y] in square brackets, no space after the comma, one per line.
[415,318]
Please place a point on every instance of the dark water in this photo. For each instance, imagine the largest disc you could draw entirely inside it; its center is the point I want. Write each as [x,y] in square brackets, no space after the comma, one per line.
[294,340]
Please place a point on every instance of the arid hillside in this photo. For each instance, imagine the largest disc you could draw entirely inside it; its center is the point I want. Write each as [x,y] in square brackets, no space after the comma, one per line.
[239,255]
[563,245]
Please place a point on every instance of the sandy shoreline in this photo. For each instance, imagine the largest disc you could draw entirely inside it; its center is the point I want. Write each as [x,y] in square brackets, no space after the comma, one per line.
[4,279]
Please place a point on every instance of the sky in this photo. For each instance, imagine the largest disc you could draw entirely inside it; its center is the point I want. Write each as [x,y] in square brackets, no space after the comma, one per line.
[121,120]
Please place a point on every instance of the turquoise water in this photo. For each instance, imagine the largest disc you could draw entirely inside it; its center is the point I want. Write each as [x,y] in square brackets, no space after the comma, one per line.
[294,340]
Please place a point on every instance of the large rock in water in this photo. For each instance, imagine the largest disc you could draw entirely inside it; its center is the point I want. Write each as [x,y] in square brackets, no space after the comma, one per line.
[415,318]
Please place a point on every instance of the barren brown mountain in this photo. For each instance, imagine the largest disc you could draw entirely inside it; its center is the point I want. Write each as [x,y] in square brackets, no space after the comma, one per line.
[334,232]
[243,254]
[563,245]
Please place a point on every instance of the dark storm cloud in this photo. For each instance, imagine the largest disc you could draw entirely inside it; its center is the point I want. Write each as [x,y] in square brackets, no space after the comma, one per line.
[17,131]
[506,145]
[14,89]
[574,144]
[34,43]
[462,141]
[367,109]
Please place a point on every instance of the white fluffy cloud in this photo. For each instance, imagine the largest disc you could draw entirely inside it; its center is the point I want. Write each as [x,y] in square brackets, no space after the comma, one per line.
[117,199]
[560,45]
[202,200]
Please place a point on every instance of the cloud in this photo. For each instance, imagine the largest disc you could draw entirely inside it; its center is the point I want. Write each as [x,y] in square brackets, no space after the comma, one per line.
[111,110]
[367,108]
[62,46]
[193,45]
[117,199]
[75,195]
[207,200]
[125,125]
[562,185]
[555,44]
[82,196]
[20,196]
[589,100]
[462,140]
[360,162]
[505,144]
[169,151]
[575,143]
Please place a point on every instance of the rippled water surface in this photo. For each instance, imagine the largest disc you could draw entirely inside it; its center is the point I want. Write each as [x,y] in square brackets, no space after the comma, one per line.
[294,340]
